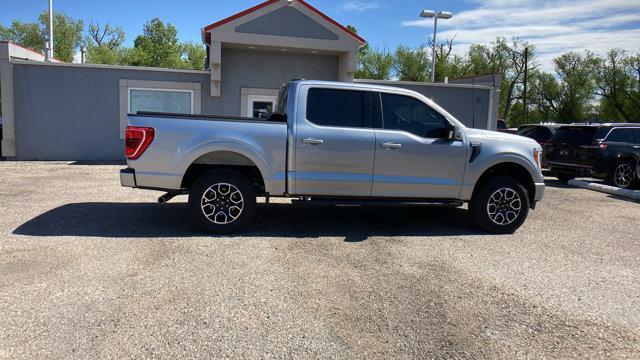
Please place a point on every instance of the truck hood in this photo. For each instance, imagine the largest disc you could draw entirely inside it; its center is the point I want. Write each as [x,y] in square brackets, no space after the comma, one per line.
[479,135]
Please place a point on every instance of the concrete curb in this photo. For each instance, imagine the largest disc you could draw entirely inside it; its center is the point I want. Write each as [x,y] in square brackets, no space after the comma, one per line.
[630,194]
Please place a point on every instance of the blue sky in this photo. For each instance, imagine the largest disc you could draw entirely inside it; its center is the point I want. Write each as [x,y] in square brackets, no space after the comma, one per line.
[554,26]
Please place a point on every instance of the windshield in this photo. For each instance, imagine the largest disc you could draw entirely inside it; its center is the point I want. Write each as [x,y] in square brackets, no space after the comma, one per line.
[574,135]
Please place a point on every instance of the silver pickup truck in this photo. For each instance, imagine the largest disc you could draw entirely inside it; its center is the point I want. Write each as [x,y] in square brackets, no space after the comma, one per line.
[341,141]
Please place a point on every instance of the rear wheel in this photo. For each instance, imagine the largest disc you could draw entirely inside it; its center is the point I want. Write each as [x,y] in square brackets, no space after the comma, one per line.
[564,177]
[222,201]
[623,174]
[500,205]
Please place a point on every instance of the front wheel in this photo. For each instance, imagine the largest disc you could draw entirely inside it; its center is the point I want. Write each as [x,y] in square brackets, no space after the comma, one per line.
[222,201]
[500,205]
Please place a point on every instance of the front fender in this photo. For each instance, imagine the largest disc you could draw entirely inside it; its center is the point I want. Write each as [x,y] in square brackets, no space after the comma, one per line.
[476,169]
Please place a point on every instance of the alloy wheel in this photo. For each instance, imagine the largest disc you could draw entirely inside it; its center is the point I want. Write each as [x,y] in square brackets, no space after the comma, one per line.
[623,175]
[222,203]
[504,206]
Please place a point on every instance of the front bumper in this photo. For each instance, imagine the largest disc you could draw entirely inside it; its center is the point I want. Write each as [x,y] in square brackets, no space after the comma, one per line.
[539,192]
[128,177]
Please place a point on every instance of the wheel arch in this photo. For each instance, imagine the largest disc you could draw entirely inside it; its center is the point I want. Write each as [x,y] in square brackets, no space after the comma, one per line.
[510,169]
[243,162]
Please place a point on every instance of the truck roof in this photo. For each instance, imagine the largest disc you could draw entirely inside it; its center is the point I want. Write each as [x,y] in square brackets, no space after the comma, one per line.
[362,86]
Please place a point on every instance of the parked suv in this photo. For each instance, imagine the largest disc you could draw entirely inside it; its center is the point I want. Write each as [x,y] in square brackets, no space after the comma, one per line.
[541,133]
[602,151]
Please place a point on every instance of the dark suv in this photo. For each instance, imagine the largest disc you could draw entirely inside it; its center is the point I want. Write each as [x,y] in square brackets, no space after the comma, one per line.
[541,133]
[602,151]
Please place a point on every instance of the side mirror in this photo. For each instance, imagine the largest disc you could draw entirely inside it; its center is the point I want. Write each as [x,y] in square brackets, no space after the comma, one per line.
[453,134]
[278,117]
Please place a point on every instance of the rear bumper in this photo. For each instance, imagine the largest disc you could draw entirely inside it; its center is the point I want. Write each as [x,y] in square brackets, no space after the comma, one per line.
[593,170]
[128,177]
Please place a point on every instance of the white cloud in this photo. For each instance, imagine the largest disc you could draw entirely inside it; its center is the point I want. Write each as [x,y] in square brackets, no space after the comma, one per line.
[553,26]
[359,6]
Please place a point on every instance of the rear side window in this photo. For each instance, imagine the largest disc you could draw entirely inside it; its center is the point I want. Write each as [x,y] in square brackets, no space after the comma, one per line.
[574,135]
[401,112]
[334,107]
[620,135]
[636,133]
[537,133]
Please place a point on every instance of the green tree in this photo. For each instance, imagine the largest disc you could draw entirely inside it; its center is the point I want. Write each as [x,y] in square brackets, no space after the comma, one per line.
[28,35]
[570,96]
[618,85]
[157,47]
[375,64]
[412,64]
[193,55]
[104,44]
[67,34]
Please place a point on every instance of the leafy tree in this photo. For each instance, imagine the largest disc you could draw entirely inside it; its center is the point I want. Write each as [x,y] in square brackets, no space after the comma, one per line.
[193,55]
[158,46]
[67,34]
[618,85]
[104,44]
[28,35]
[375,64]
[412,65]
[568,97]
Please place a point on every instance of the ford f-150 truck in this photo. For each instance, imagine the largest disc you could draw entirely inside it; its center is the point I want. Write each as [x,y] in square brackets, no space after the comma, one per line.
[329,140]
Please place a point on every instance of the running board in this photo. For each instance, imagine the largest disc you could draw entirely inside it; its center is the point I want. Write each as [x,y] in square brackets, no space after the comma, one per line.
[379,202]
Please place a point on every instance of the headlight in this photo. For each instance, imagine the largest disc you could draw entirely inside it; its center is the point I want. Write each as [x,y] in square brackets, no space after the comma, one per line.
[537,154]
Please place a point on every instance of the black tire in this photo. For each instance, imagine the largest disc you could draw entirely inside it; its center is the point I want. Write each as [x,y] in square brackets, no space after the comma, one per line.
[630,176]
[479,205]
[223,205]
[564,177]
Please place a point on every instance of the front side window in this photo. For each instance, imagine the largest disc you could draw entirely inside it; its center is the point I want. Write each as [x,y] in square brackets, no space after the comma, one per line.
[620,135]
[334,107]
[168,101]
[401,112]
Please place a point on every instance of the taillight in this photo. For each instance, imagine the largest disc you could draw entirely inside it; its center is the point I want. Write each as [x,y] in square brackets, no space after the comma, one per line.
[603,146]
[137,140]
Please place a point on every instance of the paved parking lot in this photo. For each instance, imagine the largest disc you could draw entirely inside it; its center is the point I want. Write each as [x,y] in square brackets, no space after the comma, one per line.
[89,269]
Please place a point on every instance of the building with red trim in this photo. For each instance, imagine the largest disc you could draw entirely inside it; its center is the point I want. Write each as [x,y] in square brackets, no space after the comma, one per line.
[284,39]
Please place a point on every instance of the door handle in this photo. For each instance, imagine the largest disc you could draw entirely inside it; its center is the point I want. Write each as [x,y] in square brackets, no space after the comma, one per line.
[312,141]
[391,146]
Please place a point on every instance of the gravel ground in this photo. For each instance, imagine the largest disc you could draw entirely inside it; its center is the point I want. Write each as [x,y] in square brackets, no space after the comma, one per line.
[89,269]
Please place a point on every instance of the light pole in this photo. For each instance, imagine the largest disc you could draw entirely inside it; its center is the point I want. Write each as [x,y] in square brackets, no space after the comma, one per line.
[435,15]
[49,52]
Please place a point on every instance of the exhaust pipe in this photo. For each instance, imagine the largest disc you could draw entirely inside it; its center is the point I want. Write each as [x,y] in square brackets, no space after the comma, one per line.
[166,197]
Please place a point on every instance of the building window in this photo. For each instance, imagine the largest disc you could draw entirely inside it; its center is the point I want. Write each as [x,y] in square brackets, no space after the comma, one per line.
[158,96]
[161,100]
[257,101]
[260,104]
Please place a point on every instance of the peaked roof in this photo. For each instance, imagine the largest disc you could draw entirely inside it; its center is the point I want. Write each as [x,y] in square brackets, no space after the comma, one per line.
[271,2]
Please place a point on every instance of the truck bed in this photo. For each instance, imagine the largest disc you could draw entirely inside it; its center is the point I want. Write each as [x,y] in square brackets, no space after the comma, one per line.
[181,141]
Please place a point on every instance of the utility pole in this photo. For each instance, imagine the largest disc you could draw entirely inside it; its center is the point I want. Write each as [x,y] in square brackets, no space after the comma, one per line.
[49,53]
[526,75]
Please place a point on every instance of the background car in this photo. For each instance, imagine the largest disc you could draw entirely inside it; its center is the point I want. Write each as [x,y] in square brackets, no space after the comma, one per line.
[541,133]
[502,127]
[602,151]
